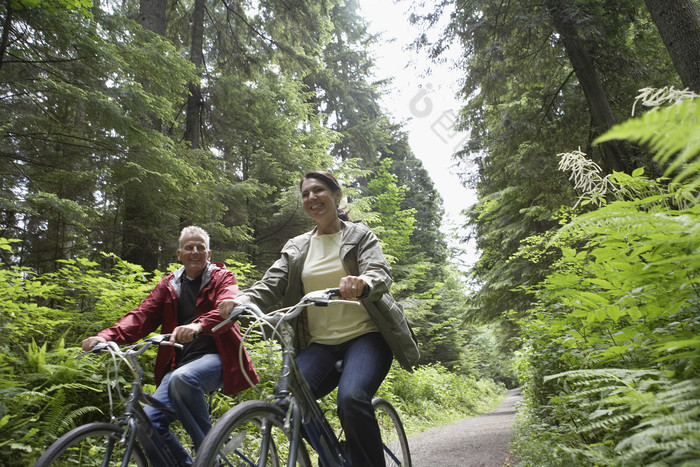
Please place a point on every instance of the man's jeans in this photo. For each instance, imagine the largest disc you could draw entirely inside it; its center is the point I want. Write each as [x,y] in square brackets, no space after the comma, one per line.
[366,362]
[185,391]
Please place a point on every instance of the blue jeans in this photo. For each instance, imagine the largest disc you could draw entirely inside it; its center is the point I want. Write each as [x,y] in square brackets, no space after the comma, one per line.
[184,390]
[366,362]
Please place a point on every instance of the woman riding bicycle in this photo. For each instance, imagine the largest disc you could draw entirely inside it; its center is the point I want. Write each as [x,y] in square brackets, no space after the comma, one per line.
[344,254]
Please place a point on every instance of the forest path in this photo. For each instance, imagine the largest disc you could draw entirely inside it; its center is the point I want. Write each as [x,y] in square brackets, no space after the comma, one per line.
[480,441]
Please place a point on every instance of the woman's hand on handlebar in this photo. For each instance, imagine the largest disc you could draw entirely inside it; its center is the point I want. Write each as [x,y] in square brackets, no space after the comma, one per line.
[91,342]
[351,287]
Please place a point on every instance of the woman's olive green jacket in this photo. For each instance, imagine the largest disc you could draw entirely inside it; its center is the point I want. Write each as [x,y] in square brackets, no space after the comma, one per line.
[360,254]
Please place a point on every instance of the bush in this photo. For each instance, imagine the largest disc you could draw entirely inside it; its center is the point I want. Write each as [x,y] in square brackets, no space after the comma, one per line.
[611,361]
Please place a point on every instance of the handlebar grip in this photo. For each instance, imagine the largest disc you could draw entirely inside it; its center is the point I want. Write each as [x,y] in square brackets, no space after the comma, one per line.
[221,324]
[97,348]
[254,309]
[164,339]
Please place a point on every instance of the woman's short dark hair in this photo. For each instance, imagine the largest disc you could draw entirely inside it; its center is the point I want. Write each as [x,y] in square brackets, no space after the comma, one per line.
[330,181]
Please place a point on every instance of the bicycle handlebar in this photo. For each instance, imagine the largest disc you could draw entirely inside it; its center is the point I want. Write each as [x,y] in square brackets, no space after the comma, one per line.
[160,339]
[317,298]
[129,356]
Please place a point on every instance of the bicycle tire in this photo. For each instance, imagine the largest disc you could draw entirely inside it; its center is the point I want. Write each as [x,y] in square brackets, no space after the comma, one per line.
[236,438]
[93,444]
[396,451]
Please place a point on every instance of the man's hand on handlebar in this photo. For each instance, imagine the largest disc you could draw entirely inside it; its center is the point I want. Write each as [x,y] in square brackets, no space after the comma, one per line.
[186,333]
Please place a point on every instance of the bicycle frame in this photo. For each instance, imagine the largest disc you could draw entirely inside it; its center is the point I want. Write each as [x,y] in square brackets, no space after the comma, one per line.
[315,426]
[141,428]
[136,424]
[294,393]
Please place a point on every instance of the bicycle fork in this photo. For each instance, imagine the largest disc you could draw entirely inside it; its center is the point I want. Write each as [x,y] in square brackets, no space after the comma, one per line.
[292,425]
[131,433]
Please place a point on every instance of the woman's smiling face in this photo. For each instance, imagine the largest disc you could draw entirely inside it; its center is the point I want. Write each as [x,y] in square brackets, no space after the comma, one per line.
[320,202]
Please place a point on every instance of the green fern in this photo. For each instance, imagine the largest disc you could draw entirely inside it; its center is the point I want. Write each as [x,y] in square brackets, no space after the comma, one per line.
[52,414]
[673,134]
[616,323]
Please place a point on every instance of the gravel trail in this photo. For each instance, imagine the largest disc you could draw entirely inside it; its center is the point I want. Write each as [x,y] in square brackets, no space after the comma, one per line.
[480,441]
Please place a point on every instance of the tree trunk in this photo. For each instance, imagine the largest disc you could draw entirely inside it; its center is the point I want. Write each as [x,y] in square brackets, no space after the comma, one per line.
[193,122]
[7,24]
[602,117]
[152,15]
[140,242]
[678,22]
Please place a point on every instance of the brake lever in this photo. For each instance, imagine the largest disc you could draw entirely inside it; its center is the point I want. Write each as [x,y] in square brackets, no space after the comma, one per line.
[174,344]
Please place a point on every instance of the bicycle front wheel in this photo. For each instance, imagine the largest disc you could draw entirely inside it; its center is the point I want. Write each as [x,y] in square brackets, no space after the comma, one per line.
[396,451]
[250,434]
[94,444]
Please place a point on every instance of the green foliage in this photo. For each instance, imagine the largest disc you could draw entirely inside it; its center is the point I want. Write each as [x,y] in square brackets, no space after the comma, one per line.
[45,391]
[437,318]
[484,355]
[395,225]
[77,119]
[29,302]
[675,146]
[611,358]
[421,195]
[82,5]
[523,105]
[45,394]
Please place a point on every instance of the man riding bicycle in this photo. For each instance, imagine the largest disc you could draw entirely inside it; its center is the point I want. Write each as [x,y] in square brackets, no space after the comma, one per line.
[185,304]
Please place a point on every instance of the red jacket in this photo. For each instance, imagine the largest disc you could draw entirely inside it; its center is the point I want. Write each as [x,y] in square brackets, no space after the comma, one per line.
[160,309]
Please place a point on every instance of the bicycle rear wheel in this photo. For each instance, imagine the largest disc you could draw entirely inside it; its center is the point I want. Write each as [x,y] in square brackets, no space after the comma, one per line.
[247,433]
[94,444]
[396,452]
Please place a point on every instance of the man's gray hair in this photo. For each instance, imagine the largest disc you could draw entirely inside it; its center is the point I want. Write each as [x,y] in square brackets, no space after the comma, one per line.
[192,230]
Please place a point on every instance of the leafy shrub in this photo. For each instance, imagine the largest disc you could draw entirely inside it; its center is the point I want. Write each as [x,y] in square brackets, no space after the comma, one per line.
[45,391]
[611,355]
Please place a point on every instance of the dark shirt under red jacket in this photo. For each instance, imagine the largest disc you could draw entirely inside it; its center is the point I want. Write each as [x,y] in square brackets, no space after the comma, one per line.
[159,309]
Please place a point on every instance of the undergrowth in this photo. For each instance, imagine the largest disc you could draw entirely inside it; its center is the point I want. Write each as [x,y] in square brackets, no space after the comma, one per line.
[432,396]
[611,349]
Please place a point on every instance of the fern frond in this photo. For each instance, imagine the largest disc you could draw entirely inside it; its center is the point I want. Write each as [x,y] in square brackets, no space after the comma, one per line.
[675,418]
[649,446]
[609,422]
[608,374]
[69,419]
[73,386]
[673,133]
[53,413]
[685,405]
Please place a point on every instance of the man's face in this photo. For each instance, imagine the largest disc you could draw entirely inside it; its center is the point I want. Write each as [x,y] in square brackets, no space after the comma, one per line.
[194,254]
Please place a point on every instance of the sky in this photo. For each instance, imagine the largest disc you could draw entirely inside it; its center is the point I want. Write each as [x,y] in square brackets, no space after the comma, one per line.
[423,97]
